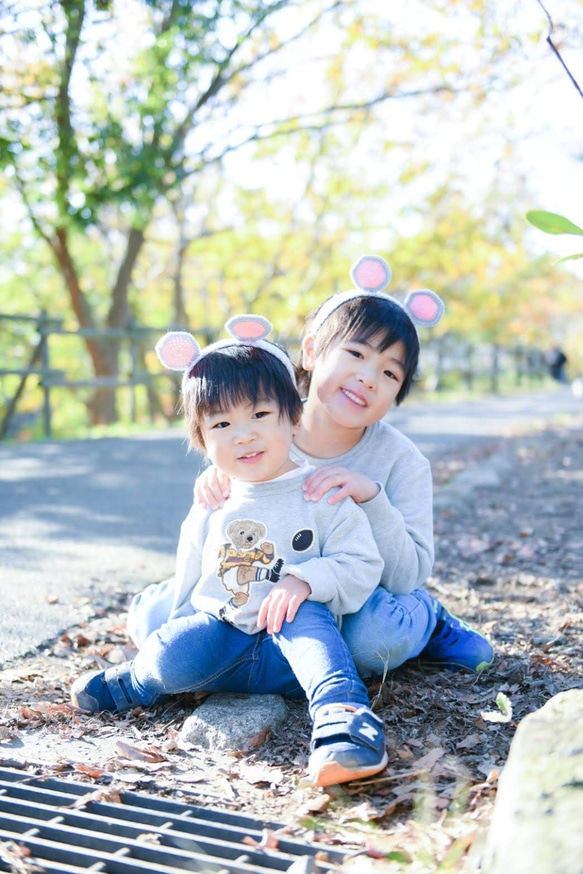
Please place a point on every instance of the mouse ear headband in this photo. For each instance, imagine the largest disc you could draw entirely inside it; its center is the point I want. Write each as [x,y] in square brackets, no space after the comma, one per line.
[371,274]
[178,350]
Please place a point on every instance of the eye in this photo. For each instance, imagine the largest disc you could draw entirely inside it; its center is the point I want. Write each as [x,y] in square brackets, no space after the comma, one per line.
[261,414]
[220,425]
[355,353]
[391,375]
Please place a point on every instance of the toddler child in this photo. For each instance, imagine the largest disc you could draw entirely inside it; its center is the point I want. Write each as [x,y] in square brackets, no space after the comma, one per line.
[260,583]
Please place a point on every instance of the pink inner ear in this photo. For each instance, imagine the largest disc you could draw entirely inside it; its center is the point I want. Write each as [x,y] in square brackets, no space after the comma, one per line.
[178,352]
[248,330]
[370,274]
[424,307]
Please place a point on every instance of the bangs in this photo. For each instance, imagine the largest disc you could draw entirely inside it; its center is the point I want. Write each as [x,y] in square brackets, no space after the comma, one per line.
[236,375]
[380,327]
[381,322]
[219,388]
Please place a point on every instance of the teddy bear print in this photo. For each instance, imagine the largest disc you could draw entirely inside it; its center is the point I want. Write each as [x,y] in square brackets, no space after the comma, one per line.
[243,562]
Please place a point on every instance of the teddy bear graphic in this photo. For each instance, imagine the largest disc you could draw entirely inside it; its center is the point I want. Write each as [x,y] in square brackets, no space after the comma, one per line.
[242,561]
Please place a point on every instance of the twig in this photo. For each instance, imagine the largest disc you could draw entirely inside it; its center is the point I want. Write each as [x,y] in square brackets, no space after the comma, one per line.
[555,49]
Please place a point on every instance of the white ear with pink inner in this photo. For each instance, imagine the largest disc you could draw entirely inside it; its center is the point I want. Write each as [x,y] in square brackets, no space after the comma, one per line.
[248,328]
[178,350]
[371,273]
[425,307]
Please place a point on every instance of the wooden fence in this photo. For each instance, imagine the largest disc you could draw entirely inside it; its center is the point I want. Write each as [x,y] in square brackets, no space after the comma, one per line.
[441,359]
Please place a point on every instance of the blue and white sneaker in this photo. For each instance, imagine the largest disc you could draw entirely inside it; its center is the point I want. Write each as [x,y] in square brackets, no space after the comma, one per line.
[105,690]
[348,743]
[455,645]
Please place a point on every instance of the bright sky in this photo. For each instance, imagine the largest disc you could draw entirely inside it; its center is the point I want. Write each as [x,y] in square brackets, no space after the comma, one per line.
[543,115]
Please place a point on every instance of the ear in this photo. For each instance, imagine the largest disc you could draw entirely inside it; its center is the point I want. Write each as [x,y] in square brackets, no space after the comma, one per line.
[177,350]
[371,273]
[248,328]
[425,307]
[308,352]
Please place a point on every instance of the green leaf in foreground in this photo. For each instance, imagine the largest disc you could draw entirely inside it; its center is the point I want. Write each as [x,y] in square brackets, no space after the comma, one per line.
[504,712]
[570,258]
[552,223]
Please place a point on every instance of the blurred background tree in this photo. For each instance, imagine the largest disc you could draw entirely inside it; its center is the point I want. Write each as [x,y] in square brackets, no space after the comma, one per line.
[174,162]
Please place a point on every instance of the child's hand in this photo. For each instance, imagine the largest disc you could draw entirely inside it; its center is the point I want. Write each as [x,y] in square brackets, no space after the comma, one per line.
[354,485]
[282,603]
[212,488]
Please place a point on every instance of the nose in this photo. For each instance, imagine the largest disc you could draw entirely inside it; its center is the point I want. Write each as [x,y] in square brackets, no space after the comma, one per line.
[244,434]
[367,376]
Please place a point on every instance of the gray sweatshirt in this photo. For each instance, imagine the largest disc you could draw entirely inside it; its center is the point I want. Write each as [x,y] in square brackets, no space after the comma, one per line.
[229,559]
[401,515]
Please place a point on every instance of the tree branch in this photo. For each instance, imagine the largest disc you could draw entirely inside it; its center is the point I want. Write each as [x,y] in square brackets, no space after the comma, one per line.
[118,311]
[555,49]
[74,12]
[283,45]
[28,206]
[218,81]
[258,136]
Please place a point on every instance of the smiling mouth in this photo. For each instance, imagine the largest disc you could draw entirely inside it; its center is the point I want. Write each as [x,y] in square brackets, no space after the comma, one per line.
[251,456]
[354,398]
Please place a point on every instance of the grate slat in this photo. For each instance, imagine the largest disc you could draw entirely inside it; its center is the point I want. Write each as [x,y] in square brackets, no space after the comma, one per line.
[104,837]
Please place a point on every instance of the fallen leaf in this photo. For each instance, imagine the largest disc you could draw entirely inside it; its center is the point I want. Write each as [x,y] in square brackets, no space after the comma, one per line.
[150,754]
[315,805]
[268,841]
[256,741]
[430,758]
[47,710]
[17,856]
[7,733]
[469,742]
[90,770]
[260,774]
[107,793]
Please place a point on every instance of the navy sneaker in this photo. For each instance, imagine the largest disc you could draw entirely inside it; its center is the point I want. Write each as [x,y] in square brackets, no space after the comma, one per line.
[454,644]
[347,744]
[105,690]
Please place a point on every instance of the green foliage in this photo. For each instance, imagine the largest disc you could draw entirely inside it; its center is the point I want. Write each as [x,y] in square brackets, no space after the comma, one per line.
[552,223]
[504,712]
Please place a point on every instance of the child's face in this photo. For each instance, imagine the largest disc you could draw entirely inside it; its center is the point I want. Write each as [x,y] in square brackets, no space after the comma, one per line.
[354,382]
[249,443]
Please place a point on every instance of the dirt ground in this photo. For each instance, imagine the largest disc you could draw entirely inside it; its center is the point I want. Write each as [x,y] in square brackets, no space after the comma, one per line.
[510,563]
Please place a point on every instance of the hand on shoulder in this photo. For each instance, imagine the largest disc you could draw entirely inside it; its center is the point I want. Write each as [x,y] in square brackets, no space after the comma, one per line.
[350,485]
[212,488]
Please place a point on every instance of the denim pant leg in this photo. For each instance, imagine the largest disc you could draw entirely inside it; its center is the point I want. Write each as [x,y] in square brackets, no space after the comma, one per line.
[314,648]
[151,608]
[201,652]
[389,629]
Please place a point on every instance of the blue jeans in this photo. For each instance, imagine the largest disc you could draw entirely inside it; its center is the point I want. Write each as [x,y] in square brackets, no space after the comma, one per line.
[201,652]
[386,631]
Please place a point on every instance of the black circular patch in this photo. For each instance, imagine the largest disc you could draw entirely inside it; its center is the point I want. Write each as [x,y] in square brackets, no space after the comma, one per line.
[302,540]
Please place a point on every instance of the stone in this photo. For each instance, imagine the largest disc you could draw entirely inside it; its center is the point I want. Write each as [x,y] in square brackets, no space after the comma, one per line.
[233,721]
[537,823]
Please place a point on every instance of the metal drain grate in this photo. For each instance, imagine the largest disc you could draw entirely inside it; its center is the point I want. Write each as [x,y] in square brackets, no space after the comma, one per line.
[103,836]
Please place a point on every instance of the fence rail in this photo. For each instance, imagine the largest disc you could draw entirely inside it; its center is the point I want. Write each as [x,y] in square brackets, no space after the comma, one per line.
[441,358]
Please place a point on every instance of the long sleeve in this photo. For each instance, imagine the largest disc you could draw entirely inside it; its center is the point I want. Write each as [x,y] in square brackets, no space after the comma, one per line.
[350,566]
[401,519]
[189,556]
[170,599]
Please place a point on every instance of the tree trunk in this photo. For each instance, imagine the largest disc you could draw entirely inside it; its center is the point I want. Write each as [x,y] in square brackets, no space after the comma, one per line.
[104,353]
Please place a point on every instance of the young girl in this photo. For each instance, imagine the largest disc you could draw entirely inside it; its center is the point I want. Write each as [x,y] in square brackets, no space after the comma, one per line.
[359,354]
[267,560]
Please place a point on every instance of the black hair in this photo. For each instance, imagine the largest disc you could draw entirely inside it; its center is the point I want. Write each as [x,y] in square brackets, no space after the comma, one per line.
[362,319]
[234,375]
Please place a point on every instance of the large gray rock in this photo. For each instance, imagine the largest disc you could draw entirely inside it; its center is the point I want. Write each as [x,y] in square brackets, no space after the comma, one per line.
[234,722]
[537,825]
